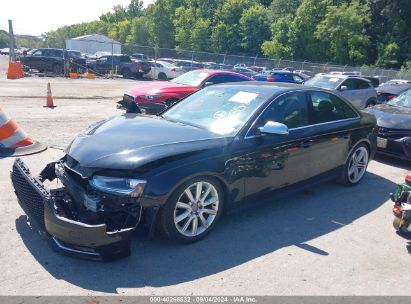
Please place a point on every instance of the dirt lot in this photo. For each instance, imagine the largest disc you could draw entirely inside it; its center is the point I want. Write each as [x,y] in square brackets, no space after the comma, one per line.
[330,240]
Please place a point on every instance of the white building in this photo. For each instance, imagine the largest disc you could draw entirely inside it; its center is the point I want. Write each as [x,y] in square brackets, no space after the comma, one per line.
[92,44]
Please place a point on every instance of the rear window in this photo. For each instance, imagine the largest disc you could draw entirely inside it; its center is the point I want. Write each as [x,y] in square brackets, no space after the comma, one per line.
[325,82]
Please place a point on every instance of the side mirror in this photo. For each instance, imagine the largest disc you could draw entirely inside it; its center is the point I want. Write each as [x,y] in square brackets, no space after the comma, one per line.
[274,128]
[208,83]
[343,88]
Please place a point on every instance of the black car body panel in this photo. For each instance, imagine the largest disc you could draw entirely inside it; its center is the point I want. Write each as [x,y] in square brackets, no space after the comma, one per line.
[167,153]
[394,125]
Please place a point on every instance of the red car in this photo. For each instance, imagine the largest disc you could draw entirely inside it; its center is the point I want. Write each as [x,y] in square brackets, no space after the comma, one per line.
[171,91]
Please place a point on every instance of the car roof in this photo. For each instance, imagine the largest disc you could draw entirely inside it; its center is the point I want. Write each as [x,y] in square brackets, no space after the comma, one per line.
[272,88]
[216,72]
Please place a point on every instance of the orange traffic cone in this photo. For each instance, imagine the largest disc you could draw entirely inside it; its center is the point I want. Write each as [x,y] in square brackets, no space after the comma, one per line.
[15,70]
[50,103]
[14,141]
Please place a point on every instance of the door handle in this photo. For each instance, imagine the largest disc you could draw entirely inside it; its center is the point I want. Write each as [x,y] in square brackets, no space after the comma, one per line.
[306,143]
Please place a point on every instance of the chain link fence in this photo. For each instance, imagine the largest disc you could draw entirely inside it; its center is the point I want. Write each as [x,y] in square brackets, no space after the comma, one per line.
[198,56]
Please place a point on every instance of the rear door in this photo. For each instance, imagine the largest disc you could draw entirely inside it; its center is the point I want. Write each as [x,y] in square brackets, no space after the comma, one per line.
[277,161]
[331,120]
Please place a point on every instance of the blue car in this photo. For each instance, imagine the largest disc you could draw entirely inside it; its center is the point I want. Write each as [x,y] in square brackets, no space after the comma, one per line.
[279,76]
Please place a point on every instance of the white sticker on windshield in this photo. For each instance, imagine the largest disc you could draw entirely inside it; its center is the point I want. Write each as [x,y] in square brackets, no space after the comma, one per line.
[244,97]
[334,79]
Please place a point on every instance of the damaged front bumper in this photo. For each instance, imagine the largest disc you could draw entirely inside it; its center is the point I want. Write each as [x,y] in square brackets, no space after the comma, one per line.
[68,234]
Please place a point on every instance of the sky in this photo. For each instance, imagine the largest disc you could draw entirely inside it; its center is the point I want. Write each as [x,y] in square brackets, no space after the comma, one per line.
[36,17]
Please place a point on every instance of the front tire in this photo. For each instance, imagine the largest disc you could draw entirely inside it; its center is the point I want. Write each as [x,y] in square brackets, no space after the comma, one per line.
[193,210]
[355,166]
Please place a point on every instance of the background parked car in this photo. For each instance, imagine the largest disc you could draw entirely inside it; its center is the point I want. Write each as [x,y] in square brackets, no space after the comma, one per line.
[53,60]
[394,126]
[392,89]
[122,64]
[139,56]
[225,67]
[359,91]
[163,70]
[279,76]
[180,87]
[244,71]
[188,65]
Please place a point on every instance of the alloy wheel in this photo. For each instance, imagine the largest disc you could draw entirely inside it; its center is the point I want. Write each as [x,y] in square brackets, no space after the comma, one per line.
[358,165]
[196,209]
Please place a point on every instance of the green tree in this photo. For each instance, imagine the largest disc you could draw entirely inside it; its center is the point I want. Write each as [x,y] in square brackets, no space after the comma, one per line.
[200,35]
[4,39]
[254,28]
[184,23]
[281,8]
[388,55]
[219,37]
[140,31]
[343,30]
[135,9]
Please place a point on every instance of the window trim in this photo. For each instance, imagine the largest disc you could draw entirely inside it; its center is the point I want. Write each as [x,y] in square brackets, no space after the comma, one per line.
[305,92]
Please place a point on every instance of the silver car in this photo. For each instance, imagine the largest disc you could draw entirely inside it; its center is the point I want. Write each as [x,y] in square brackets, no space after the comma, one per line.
[359,91]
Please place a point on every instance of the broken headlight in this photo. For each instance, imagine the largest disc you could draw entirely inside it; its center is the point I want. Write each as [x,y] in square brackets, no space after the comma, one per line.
[119,186]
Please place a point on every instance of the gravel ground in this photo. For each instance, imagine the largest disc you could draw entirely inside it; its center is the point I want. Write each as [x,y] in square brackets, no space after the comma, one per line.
[330,240]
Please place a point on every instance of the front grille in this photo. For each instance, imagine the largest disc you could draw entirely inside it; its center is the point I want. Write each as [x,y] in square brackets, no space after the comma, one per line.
[30,192]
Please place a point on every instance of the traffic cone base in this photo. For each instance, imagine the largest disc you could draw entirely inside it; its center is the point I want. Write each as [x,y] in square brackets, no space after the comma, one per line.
[14,141]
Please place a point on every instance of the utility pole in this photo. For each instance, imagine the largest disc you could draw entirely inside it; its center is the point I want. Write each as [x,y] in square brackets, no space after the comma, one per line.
[112,56]
[12,57]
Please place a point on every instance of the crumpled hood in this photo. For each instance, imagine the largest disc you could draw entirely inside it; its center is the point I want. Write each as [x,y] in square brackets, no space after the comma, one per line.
[392,117]
[130,141]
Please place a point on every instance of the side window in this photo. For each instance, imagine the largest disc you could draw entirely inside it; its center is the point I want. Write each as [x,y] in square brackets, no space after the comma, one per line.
[38,53]
[225,78]
[291,110]
[328,107]
[103,59]
[350,84]
[297,78]
[361,84]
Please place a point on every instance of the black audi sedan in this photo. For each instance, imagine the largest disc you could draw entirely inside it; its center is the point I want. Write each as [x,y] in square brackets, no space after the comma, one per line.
[178,171]
[394,126]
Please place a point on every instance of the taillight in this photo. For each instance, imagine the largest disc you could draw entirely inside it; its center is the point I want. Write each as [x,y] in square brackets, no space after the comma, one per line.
[173,69]
[271,79]
[389,97]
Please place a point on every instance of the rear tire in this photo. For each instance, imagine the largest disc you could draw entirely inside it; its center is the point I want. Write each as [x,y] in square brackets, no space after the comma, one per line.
[126,74]
[355,166]
[192,210]
[162,76]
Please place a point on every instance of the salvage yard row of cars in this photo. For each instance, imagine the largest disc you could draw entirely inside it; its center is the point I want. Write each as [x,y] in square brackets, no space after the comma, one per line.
[217,139]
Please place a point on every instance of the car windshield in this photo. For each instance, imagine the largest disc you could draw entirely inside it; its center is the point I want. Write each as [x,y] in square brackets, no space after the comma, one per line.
[221,110]
[193,78]
[403,100]
[325,82]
